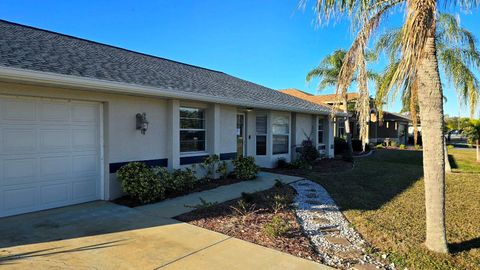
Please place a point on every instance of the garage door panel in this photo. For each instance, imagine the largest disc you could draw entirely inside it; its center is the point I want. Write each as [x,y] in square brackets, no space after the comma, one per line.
[85,189]
[84,138]
[54,139]
[18,140]
[58,166]
[20,197]
[49,153]
[19,171]
[85,165]
[56,193]
[84,112]
[55,111]
[18,109]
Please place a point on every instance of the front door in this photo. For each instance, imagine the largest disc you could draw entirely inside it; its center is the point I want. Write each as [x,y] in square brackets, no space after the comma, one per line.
[240,134]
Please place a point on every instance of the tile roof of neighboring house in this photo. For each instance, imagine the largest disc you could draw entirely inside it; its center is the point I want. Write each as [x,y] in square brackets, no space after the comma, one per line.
[318,99]
[27,48]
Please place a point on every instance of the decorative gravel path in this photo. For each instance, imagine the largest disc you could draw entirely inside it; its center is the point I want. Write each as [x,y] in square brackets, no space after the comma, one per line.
[332,235]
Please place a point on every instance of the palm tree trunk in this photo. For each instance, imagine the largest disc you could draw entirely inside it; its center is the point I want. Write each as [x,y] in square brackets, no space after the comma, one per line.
[448,168]
[348,133]
[478,150]
[431,116]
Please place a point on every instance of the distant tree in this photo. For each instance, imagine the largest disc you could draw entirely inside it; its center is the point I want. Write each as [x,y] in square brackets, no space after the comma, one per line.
[472,132]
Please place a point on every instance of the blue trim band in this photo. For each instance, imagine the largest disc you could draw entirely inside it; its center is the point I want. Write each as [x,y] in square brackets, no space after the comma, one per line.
[228,156]
[192,159]
[114,167]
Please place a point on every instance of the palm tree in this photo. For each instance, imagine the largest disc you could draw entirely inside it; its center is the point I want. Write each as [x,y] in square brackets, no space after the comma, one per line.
[457,54]
[328,71]
[419,65]
[472,131]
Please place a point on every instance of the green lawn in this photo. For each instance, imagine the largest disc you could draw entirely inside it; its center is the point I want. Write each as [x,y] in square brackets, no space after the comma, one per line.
[383,197]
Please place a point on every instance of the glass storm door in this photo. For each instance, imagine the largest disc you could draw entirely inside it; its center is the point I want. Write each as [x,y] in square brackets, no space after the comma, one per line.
[240,134]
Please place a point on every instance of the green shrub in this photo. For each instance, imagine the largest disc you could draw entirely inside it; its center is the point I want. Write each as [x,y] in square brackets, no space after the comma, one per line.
[301,164]
[402,146]
[222,169]
[139,182]
[339,145]
[450,146]
[276,227]
[245,168]
[208,165]
[418,147]
[183,180]
[165,178]
[393,143]
[308,152]
[379,146]
[282,163]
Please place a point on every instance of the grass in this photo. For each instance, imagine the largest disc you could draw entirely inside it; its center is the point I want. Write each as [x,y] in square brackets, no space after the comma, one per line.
[383,197]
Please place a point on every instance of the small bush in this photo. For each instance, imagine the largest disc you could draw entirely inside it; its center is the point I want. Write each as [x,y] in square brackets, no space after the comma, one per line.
[450,146]
[245,168]
[393,143]
[165,178]
[222,169]
[418,147]
[139,182]
[340,146]
[402,146]
[282,163]
[279,202]
[276,227]
[308,152]
[183,180]
[379,146]
[209,165]
[301,164]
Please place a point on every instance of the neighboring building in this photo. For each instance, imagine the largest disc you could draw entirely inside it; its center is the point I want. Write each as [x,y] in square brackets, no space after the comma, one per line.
[73,111]
[393,128]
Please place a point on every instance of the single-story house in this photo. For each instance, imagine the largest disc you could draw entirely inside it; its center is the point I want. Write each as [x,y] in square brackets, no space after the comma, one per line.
[394,126]
[73,111]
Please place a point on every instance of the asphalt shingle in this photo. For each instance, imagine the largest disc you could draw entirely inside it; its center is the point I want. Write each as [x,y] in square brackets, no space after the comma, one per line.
[30,48]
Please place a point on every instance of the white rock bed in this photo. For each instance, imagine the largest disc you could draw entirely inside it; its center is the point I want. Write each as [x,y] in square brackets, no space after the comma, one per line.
[313,202]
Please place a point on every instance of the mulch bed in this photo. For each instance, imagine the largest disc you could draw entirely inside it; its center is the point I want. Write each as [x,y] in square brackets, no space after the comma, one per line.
[224,219]
[322,166]
[200,185]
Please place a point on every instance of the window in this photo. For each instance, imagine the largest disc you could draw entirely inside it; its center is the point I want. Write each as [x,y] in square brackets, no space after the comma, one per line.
[281,132]
[320,130]
[341,127]
[261,131]
[192,130]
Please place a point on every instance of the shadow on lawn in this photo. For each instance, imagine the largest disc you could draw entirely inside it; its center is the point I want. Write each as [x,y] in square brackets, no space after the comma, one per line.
[375,180]
[465,245]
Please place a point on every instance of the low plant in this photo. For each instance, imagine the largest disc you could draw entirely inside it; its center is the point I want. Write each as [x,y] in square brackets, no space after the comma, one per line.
[244,209]
[300,163]
[279,202]
[183,180]
[402,146]
[418,147]
[222,169]
[209,165]
[282,163]
[308,152]
[245,168]
[140,182]
[393,143]
[379,146]
[339,145]
[450,146]
[202,205]
[276,227]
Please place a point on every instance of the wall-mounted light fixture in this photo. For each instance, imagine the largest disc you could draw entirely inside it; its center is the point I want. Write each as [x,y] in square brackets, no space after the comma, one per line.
[142,123]
[249,109]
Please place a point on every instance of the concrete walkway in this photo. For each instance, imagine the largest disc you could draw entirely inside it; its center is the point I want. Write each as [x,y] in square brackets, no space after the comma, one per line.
[103,235]
[177,206]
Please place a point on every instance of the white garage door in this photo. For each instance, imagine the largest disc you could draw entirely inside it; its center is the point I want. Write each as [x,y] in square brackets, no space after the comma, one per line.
[49,153]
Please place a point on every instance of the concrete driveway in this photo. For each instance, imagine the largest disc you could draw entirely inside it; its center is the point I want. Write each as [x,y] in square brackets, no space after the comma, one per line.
[102,235]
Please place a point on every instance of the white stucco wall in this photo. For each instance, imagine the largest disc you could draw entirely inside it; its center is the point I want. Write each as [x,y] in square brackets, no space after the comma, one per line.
[123,143]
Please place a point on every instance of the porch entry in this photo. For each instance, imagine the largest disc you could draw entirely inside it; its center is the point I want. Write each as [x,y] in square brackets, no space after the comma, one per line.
[240,134]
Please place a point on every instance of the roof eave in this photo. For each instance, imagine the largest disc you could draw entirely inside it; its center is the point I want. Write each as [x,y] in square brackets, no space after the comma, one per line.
[92,84]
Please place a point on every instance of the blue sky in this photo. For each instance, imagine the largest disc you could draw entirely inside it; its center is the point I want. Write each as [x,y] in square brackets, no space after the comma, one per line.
[269,42]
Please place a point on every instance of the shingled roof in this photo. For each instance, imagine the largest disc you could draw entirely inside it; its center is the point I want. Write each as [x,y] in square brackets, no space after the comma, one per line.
[27,48]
